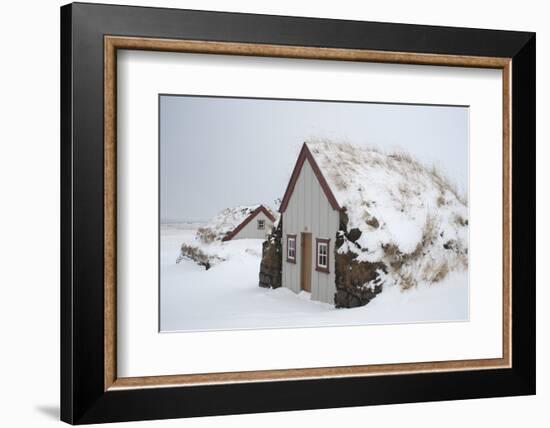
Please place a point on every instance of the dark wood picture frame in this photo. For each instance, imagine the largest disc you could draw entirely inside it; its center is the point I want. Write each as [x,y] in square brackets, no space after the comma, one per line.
[91,392]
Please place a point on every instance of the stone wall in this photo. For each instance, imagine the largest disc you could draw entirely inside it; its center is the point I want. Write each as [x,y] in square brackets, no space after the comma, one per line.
[271,264]
[355,281]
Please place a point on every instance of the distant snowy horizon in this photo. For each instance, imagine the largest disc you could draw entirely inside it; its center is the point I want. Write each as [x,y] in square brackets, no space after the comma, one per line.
[218,153]
[168,221]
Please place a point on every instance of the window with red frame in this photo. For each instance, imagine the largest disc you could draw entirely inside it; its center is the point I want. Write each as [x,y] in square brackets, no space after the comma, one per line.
[291,248]
[322,255]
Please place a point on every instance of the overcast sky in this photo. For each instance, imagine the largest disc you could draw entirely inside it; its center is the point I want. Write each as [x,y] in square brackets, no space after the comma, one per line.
[223,152]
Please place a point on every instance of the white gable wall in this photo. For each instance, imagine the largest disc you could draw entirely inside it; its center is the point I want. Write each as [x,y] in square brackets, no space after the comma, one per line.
[251,231]
[309,210]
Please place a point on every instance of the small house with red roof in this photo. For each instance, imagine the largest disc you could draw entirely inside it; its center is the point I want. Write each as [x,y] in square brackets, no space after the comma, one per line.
[254,222]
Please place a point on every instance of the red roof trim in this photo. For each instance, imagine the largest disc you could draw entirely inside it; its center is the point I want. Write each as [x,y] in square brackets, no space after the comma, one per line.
[260,209]
[304,155]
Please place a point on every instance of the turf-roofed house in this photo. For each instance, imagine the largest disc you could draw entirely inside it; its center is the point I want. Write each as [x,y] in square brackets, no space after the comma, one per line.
[354,220]
[242,222]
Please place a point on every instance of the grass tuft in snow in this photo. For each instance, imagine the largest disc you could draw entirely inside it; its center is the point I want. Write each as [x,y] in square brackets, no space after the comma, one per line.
[194,253]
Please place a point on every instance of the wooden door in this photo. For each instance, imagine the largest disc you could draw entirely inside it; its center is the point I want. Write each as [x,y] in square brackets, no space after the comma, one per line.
[305,262]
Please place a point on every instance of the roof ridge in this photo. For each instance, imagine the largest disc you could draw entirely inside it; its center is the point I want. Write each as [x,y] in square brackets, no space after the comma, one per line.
[305,154]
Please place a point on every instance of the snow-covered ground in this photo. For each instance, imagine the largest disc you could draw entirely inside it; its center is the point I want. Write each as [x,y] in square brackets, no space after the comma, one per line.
[227,296]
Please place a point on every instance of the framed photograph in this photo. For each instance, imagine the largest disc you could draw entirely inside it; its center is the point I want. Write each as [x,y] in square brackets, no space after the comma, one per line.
[266,213]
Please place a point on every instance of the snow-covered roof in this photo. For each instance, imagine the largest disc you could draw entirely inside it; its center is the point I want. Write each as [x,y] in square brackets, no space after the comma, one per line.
[389,197]
[229,220]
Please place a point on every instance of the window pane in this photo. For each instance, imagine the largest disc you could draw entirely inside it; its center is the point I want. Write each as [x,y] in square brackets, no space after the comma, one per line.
[322,254]
[291,251]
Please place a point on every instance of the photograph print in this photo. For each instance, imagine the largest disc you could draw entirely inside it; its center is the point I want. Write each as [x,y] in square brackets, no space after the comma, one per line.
[288,213]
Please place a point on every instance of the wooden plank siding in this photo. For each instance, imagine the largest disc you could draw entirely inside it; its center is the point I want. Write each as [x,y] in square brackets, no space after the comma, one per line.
[309,210]
[251,231]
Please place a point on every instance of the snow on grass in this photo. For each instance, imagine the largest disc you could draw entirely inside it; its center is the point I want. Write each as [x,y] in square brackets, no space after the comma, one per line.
[225,222]
[227,296]
[404,210]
